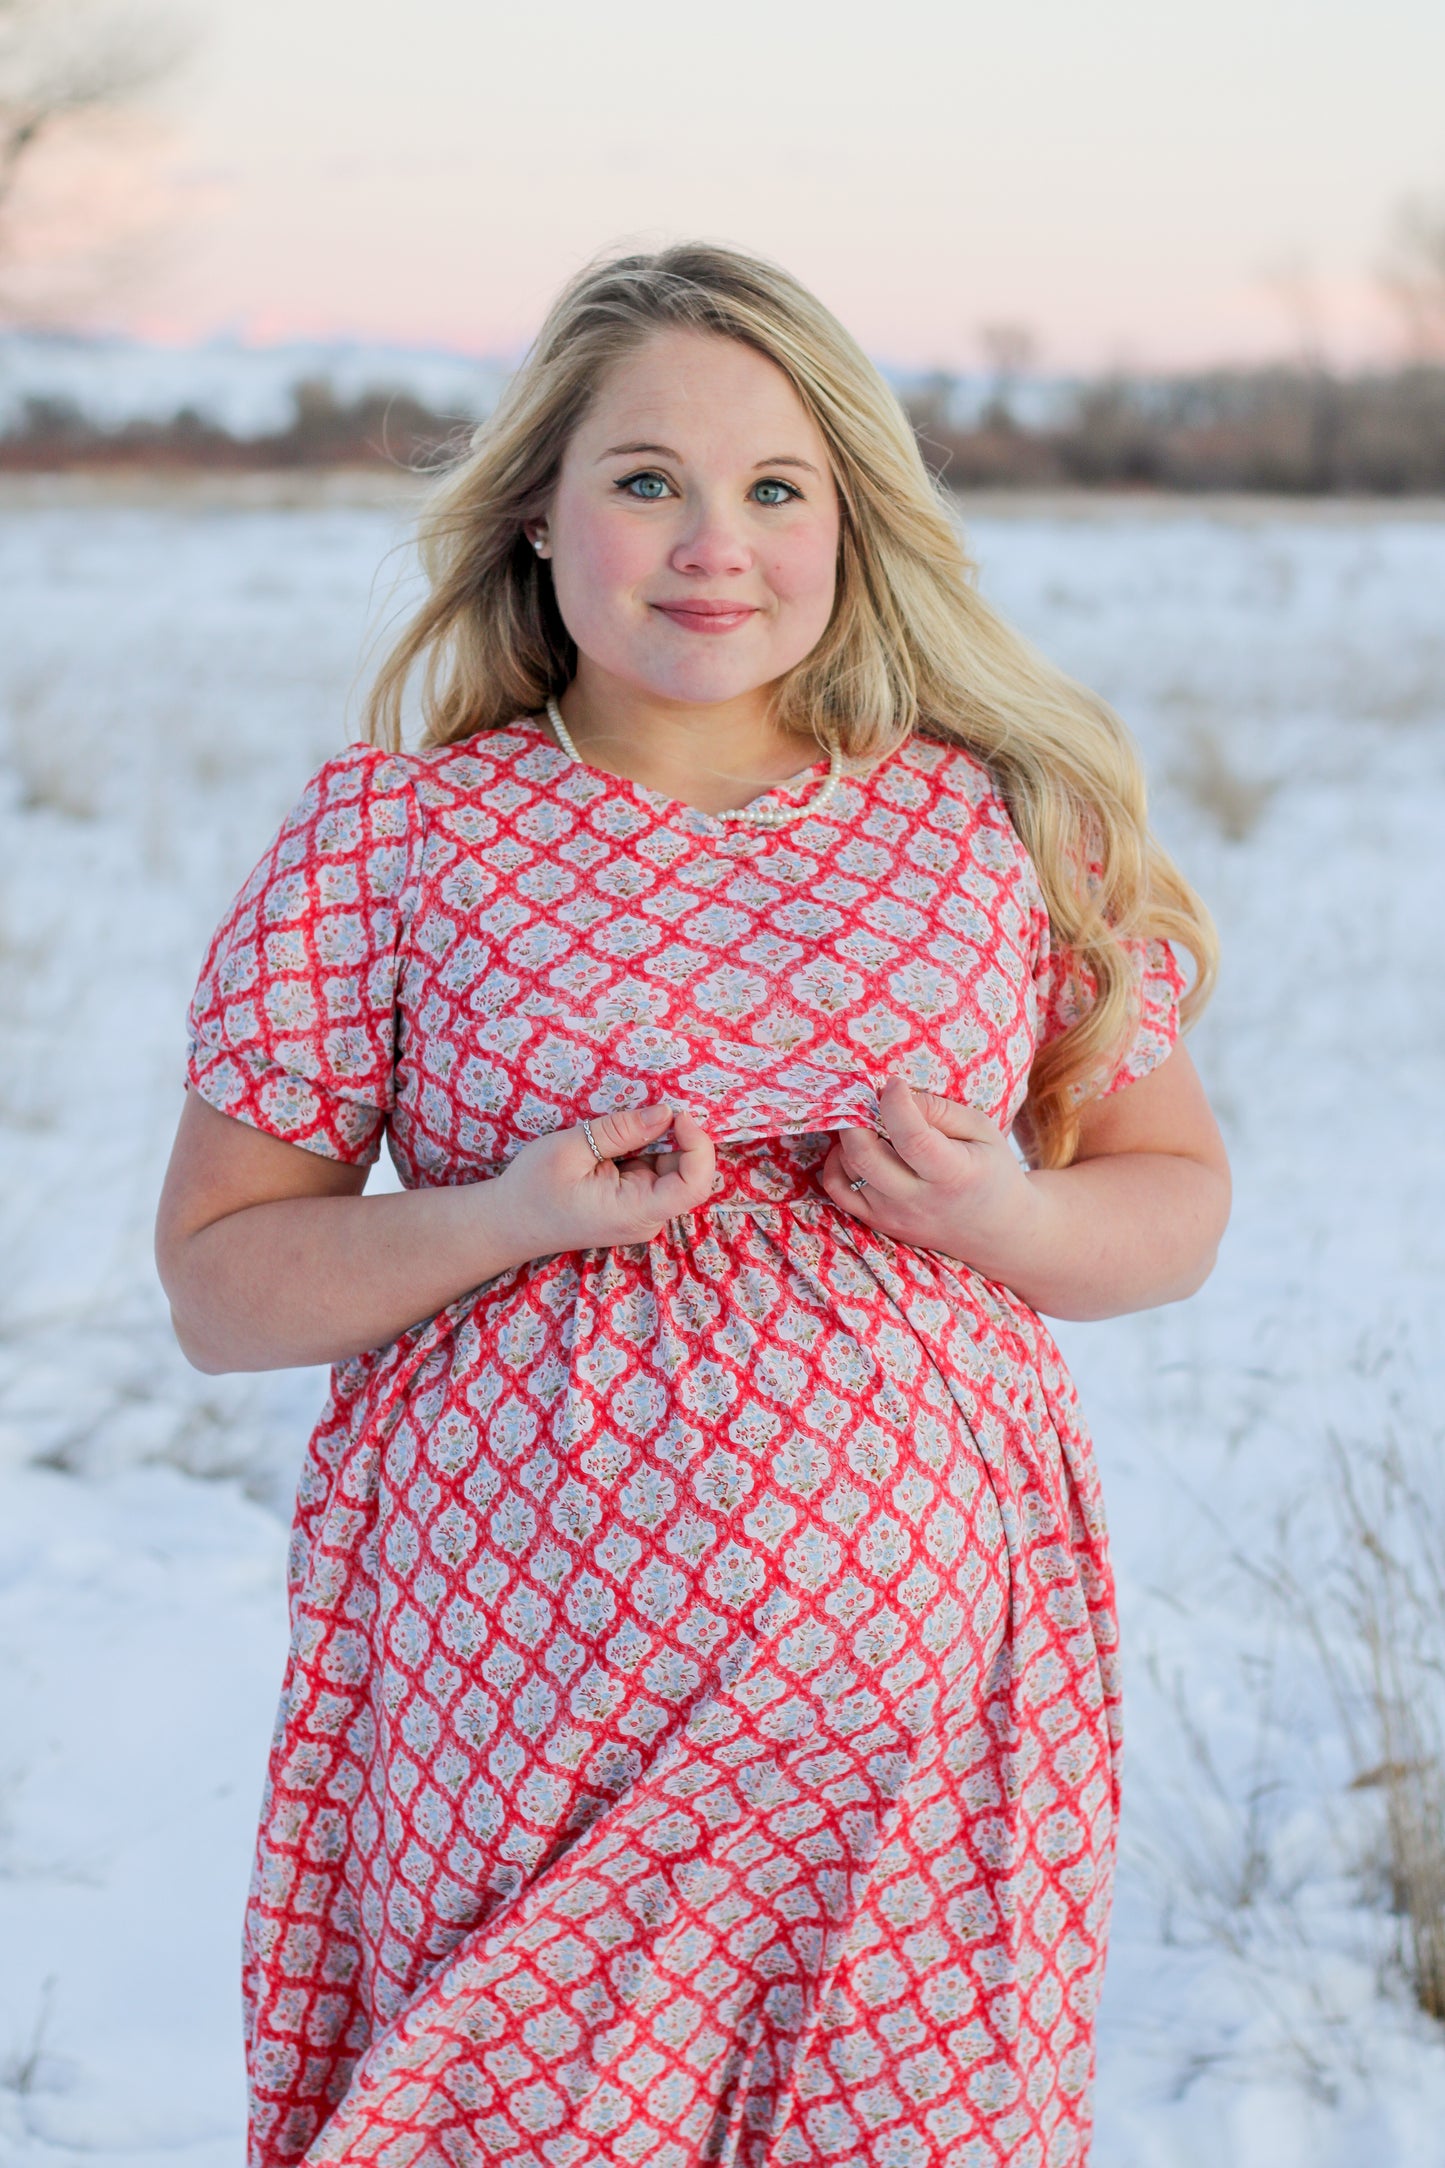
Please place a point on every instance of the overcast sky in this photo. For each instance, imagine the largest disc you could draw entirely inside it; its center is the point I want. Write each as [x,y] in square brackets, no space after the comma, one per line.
[1136,180]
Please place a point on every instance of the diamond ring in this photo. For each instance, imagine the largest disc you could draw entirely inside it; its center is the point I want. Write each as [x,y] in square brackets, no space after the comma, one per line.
[861,1183]
[587,1133]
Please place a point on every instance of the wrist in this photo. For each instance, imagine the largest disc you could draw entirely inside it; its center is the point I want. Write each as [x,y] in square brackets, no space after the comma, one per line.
[502,1234]
[1006,1243]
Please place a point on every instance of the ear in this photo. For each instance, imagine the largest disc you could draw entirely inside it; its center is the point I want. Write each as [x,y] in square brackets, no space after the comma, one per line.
[536,532]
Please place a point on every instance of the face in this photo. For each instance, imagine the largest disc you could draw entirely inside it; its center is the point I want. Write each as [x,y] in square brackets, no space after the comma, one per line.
[693,532]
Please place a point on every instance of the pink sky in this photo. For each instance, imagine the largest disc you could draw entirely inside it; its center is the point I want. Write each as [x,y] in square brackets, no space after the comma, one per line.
[1135,181]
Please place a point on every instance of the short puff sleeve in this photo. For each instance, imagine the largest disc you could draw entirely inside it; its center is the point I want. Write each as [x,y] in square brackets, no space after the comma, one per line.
[292,1026]
[1064,989]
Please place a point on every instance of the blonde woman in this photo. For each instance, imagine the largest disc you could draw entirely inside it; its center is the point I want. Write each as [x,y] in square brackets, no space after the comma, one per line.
[699,1741]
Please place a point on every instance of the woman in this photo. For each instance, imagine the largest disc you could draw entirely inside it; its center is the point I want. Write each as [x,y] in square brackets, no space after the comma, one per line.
[699,1741]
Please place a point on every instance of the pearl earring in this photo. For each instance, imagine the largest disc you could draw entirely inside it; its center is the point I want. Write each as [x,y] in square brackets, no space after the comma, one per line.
[537,544]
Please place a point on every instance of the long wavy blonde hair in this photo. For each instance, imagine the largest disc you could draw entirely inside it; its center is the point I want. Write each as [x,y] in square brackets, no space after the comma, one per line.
[911,645]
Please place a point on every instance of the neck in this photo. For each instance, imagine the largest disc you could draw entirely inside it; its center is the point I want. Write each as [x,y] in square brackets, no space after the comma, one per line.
[714,757]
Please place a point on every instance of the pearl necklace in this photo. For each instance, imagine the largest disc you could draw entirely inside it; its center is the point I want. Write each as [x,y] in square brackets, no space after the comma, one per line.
[754,815]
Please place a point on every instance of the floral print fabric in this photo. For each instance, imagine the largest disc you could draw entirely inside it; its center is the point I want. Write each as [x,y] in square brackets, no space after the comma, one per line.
[699,1737]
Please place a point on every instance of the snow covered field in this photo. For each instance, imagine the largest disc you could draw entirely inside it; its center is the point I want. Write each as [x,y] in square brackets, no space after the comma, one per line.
[172,669]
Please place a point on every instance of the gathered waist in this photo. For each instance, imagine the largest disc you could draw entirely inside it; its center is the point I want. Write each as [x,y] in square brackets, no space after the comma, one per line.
[770,1174]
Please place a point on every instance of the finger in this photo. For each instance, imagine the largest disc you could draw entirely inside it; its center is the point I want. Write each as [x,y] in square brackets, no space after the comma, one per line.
[839,1185]
[696,1160]
[859,1156]
[863,1153]
[648,1163]
[627,1129]
[923,1143]
[951,1117]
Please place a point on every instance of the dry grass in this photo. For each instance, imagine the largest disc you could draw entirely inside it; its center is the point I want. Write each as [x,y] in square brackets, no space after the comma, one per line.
[1375,1614]
[1227,1878]
[1390,1686]
[160,1422]
[41,754]
[27,2069]
[1313,1857]
[215,1443]
[1233,802]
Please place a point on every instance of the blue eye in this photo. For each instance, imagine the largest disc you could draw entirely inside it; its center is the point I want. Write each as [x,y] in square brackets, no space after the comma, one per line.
[647,487]
[784,491]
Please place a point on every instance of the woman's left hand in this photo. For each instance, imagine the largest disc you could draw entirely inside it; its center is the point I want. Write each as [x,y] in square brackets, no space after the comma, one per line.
[943,1178]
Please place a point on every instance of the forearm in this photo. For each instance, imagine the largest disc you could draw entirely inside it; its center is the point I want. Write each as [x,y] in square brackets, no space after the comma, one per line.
[1120,1232]
[302,1280]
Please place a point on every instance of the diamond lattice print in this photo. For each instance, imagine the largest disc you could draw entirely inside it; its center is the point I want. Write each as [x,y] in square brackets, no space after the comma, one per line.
[699,1739]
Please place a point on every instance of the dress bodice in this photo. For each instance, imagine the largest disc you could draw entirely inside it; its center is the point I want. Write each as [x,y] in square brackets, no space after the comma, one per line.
[475,945]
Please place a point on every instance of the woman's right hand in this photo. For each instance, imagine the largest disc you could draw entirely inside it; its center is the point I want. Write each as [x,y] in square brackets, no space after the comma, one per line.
[558,1197]
[271,1255]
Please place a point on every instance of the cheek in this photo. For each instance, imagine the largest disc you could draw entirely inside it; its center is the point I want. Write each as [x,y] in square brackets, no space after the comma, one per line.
[802,570]
[596,560]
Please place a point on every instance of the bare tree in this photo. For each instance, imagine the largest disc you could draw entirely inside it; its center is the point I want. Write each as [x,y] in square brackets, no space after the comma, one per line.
[1009,349]
[68,70]
[1413,274]
[1294,285]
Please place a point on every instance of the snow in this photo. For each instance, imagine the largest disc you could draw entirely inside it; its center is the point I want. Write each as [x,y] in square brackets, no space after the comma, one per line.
[175,665]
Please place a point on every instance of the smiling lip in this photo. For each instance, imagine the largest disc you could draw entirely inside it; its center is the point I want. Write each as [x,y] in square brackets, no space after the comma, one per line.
[699,616]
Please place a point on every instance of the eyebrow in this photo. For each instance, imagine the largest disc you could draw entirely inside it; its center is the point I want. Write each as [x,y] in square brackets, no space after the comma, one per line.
[665,451]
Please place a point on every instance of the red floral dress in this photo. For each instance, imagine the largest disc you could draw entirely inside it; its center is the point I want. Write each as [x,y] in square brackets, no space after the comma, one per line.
[699,1737]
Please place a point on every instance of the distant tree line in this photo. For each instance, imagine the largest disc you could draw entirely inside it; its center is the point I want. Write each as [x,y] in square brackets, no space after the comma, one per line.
[1294,429]
[373,429]
[1289,429]
[1298,427]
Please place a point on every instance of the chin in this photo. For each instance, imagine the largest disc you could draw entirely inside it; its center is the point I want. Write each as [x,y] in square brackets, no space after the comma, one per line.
[701,690]
[709,681]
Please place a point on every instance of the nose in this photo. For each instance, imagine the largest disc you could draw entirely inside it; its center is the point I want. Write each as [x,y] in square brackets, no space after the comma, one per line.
[713,543]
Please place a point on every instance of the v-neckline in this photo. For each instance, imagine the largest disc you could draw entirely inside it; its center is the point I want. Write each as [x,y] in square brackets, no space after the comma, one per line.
[659,803]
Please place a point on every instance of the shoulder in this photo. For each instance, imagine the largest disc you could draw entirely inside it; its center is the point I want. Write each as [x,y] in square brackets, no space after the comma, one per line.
[941,770]
[366,770]
[371,791]
[360,800]
[955,792]
[439,776]
[350,785]
[475,762]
